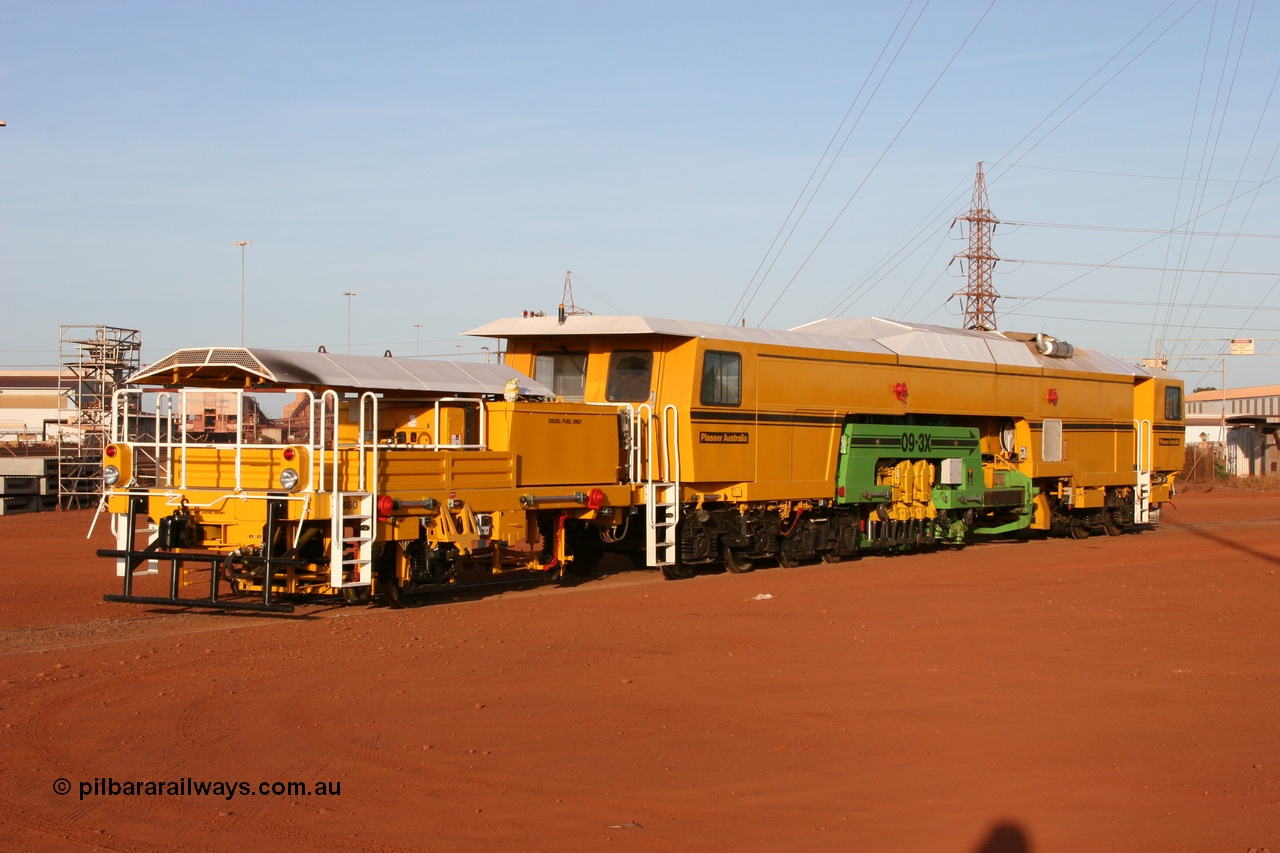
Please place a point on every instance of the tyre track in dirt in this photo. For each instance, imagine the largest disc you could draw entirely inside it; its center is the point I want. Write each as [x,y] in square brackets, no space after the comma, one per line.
[75,635]
[61,829]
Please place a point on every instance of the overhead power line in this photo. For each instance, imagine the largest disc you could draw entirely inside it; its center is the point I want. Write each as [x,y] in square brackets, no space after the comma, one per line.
[1119,228]
[1110,266]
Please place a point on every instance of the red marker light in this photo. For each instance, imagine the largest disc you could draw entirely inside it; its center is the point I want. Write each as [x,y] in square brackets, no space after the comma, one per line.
[290,454]
[111,450]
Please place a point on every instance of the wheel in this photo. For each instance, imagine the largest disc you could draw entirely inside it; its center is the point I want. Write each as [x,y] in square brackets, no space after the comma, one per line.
[389,586]
[1078,530]
[227,571]
[787,558]
[831,557]
[356,594]
[1110,526]
[679,569]
[398,599]
[736,561]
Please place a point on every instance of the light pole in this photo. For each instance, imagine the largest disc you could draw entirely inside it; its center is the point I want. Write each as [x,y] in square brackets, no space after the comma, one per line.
[348,294]
[242,244]
[417,339]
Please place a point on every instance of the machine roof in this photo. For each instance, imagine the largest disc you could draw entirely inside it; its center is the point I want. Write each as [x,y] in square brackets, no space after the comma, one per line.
[578,325]
[862,335]
[231,366]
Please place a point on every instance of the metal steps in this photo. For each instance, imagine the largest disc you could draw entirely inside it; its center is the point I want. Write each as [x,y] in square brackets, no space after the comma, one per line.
[660,511]
[351,539]
[1142,466]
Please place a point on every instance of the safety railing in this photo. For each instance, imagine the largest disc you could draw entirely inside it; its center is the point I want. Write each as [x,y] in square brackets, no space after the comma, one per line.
[436,434]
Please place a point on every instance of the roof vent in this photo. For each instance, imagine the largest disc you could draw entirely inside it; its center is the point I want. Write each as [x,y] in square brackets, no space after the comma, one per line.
[1052,347]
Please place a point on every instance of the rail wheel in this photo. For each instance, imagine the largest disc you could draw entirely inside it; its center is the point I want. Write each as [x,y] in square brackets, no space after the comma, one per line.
[831,557]
[397,598]
[389,584]
[737,561]
[788,558]
[1110,526]
[679,569]
[356,594]
[228,569]
[1078,530]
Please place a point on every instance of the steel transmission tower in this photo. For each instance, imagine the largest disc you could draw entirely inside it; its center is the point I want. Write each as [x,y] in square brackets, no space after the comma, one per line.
[567,308]
[979,297]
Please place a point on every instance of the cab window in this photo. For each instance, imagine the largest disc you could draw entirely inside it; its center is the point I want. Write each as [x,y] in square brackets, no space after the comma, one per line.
[1172,403]
[721,379]
[630,375]
[565,373]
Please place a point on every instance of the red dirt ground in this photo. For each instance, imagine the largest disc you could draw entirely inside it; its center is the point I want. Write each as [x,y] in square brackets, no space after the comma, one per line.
[1051,695]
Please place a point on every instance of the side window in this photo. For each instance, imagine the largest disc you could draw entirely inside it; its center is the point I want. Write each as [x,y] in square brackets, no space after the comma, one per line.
[565,373]
[1173,403]
[1051,449]
[630,376]
[722,379]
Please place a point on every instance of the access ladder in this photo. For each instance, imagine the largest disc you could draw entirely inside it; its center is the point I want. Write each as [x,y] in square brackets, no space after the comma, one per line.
[351,534]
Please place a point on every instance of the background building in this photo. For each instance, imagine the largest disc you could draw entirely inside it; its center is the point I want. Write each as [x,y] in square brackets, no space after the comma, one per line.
[1242,424]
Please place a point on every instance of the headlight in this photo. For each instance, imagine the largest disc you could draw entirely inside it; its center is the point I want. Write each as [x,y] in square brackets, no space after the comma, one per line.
[110,475]
[288,479]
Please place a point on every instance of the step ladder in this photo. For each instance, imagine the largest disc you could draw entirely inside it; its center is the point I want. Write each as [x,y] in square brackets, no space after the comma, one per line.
[351,555]
[661,501]
[1142,466]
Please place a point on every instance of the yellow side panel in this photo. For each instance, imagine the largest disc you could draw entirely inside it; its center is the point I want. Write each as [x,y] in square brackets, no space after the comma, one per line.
[418,472]
[215,467]
[558,444]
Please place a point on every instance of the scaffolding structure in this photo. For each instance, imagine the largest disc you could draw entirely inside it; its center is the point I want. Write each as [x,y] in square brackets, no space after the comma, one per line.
[92,362]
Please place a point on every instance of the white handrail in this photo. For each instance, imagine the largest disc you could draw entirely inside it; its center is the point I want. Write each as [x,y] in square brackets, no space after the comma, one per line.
[1145,460]
[671,444]
[325,446]
[368,436]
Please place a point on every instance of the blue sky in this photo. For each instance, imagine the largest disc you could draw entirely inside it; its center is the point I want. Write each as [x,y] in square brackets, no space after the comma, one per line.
[448,162]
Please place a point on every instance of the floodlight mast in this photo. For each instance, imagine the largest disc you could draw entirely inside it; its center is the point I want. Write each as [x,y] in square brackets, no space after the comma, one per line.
[242,244]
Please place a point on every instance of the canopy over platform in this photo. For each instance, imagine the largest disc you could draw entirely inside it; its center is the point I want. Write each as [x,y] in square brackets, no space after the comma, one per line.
[235,367]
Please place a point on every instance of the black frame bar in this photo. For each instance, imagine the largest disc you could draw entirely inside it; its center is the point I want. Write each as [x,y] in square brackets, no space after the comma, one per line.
[176,559]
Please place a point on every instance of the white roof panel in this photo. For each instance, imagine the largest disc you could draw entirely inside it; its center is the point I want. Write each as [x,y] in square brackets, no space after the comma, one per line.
[286,368]
[865,334]
[846,334]
[580,325]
